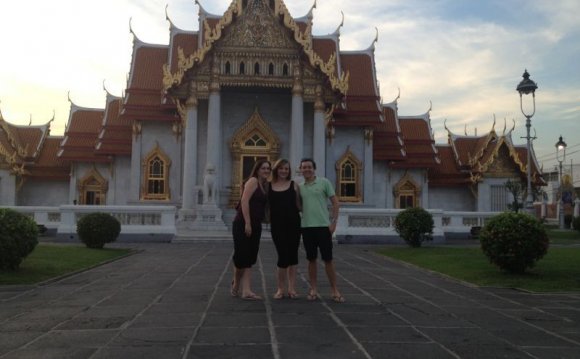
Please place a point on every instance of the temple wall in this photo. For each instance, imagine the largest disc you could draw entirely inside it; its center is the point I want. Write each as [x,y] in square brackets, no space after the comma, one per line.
[381,187]
[36,192]
[119,184]
[451,199]
[7,188]
[343,139]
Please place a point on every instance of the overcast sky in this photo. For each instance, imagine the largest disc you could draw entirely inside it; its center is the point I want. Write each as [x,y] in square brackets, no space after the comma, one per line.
[465,56]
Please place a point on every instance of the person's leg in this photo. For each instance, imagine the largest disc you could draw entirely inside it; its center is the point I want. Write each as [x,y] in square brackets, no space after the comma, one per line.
[236,281]
[281,275]
[326,254]
[247,285]
[312,277]
[292,282]
[311,246]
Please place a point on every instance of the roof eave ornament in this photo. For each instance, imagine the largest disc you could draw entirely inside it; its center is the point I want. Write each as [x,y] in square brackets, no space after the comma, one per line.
[310,13]
[171,26]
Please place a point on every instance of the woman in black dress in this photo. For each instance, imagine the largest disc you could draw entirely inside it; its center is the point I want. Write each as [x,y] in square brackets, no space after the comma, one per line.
[247,229]
[284,201]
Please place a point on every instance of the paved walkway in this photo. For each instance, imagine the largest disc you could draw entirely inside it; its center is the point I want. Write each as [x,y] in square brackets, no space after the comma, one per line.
[172,301]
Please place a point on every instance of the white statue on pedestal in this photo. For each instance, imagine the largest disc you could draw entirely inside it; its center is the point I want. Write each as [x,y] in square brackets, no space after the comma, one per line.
[209,185]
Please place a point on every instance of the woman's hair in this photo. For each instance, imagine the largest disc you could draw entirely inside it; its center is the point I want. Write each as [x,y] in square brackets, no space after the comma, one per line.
[256,168]
[281,162]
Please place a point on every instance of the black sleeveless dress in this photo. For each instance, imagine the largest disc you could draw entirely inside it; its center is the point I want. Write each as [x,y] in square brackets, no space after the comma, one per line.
[246,248]
[285,225]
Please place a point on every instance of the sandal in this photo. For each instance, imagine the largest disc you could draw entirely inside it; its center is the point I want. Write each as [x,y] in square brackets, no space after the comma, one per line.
[293,295]
[251,297]
[338,298]
[278,295]
[312,296]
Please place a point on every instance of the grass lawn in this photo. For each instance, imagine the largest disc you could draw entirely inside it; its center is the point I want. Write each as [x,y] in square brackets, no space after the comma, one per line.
[51,260]
[558,236]
[558,271]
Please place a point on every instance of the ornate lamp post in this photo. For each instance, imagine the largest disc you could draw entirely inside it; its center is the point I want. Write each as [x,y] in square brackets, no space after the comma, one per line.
[526,87]
[560,157]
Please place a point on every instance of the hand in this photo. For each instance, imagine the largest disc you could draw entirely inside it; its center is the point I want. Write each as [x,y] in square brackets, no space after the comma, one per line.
[248,229]
[332,227]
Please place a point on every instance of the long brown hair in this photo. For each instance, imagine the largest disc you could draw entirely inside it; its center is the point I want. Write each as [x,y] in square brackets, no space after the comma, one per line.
[281,162]
[256,168]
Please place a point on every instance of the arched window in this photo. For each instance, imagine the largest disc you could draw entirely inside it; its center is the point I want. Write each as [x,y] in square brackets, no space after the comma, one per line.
[285,70]
[271,69]
[228,68]
[242,68]
[348,175]
[256,68]
[156,176]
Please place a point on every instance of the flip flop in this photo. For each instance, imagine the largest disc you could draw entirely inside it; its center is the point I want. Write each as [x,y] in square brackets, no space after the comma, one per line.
[293,295]
[338,299]
[312,297]
[252,297]
[278,296]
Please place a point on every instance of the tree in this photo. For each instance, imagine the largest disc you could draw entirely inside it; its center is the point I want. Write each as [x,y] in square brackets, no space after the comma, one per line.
[517,190]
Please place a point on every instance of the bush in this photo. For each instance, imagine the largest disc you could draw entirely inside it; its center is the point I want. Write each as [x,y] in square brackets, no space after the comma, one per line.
[18,238]
[96,229]
[576,223]
[514,241]
[414,225]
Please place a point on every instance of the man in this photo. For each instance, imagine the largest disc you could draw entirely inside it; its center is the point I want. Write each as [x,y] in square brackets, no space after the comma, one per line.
[317,227]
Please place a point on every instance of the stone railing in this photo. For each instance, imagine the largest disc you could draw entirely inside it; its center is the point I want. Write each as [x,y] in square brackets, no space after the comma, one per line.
[135,220]
[370,225]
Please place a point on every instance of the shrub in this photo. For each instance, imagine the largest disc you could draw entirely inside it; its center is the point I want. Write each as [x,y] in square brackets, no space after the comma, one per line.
[18,238]
[514,241]
[576,223]
[414,225]
[96,229]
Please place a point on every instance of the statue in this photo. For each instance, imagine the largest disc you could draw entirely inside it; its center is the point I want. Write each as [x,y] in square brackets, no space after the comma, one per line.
[209,185]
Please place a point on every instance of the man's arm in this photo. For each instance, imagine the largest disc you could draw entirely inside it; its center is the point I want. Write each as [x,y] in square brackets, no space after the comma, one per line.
[335,206]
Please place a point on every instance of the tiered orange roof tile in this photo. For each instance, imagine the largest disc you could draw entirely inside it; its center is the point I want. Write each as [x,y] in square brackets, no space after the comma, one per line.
[80,137]
[447,173]
[418,143]
[387,142]
[115,136]
[48,165]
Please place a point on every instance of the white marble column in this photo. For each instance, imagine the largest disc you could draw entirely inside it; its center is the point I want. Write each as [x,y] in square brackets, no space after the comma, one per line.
[190,156]
[297,120]
[214,131]
[135,190]
[319,140]
[368,167]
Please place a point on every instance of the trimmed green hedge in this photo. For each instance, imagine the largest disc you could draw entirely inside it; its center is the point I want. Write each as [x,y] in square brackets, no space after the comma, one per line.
[96,229]
[18,238]
[514,241]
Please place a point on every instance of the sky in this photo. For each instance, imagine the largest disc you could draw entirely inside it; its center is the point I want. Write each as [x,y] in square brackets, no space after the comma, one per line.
[465,57]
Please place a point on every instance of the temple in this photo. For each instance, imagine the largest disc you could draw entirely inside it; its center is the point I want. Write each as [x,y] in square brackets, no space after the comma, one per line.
[252,83]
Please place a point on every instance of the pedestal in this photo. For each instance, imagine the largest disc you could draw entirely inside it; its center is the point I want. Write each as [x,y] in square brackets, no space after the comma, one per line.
[203,223]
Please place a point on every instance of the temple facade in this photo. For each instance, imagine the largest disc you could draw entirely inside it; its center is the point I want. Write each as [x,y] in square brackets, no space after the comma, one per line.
[252,83]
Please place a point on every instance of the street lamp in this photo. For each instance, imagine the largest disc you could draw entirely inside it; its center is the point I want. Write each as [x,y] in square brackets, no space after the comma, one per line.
[561,157]
[526,87]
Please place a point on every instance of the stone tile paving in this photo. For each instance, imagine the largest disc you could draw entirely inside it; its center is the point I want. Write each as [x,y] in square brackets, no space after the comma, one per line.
[172,301]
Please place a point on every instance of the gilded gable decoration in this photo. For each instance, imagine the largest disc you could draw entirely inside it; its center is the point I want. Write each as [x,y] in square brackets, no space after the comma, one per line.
[257,27]
[92,188]
[407,192]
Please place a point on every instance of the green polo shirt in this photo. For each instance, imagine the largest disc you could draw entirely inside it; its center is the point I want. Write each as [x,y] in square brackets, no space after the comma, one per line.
[315,197]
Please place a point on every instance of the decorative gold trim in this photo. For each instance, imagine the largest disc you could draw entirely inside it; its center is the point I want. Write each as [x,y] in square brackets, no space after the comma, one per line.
[407,187]
[93,181]
[211,35]
[254,125]
[349,156]
[166,195]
